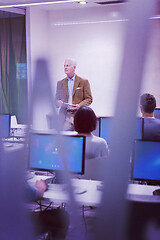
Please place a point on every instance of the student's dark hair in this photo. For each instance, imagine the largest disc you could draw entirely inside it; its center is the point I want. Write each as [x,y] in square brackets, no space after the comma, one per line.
[148,102]
[85,120]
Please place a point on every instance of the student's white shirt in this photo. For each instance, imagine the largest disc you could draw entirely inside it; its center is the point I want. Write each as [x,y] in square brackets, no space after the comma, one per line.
[95,147]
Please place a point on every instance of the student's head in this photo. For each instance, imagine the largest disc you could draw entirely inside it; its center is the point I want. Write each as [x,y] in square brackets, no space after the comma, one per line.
[69,67]
[85,120]
[147,103]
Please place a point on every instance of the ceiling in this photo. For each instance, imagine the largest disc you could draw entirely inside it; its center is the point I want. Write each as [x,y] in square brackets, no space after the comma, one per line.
[71,5]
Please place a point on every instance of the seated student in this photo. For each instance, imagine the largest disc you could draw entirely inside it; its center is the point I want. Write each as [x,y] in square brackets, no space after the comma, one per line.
[32,194]
[53,221]
[84,123]
[151,124]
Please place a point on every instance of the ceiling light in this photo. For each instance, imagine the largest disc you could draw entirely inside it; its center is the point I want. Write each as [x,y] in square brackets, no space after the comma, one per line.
[83,2]
[37,4]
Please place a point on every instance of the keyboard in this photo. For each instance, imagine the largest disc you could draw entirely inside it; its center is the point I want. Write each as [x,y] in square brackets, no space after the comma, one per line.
[44,173]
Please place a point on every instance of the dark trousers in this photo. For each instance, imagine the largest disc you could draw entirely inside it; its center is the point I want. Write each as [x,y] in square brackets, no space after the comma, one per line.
[54,221]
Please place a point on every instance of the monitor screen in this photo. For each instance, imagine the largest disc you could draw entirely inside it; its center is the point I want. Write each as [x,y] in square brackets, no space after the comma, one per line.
[44,153]
[5,120]
[96,131]
[146,161]
[105,128]
[139,128]
[157,113]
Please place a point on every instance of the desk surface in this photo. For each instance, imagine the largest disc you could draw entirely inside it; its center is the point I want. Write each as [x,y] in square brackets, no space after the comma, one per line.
[89,192]
[142,193]
[86,191]
[13,145]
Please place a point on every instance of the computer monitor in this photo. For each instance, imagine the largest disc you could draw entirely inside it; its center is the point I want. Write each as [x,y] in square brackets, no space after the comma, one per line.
[5,121]
[105,128]
[139,128]
[44,153]
[157,113]
[96,131]
[146,162]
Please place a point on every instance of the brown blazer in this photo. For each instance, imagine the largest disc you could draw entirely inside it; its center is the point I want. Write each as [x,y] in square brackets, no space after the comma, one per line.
[81,93]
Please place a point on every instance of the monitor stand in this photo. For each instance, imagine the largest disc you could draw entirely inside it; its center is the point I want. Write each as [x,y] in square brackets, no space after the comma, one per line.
[59,177]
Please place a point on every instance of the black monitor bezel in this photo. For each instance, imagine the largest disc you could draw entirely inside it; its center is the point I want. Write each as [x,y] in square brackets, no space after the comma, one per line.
[9,129]
[142,180]
[52,170]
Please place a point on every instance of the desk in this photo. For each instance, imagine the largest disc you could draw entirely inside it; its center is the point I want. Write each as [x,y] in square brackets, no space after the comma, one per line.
[142,193]
[12,146]
[143,209]
[92,196]
[86,192]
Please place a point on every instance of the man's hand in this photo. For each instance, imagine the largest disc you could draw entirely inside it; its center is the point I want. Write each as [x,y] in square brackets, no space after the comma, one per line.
[75,107]
[59,103]
[41,186]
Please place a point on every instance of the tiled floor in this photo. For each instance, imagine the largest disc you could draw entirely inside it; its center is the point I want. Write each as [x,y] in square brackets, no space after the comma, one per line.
[86,224]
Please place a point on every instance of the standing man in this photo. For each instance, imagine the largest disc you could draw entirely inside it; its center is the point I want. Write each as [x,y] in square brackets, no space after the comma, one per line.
[71,93]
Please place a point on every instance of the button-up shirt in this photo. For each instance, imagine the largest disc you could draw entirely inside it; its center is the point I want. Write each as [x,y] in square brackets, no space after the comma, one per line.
[70,88]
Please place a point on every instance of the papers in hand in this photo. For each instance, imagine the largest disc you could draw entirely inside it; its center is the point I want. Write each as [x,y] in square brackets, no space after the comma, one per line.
[69,104]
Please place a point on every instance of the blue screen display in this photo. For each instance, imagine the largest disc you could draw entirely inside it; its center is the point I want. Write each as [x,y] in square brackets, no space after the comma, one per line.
[157,113]
[146,160]
[105,128]
[44,152]
[5,125]
[139,128]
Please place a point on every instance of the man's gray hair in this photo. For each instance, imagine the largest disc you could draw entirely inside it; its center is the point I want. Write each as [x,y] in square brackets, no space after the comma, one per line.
[74,63]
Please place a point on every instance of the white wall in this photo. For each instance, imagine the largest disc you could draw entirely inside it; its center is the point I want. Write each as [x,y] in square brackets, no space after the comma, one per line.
[37,35]
[151,79]
[38,47]
[96,45]
[95,38]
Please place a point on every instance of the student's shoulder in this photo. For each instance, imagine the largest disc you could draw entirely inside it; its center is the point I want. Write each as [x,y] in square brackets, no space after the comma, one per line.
[152,123]
[157,121]
[154,120]
[99,139]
